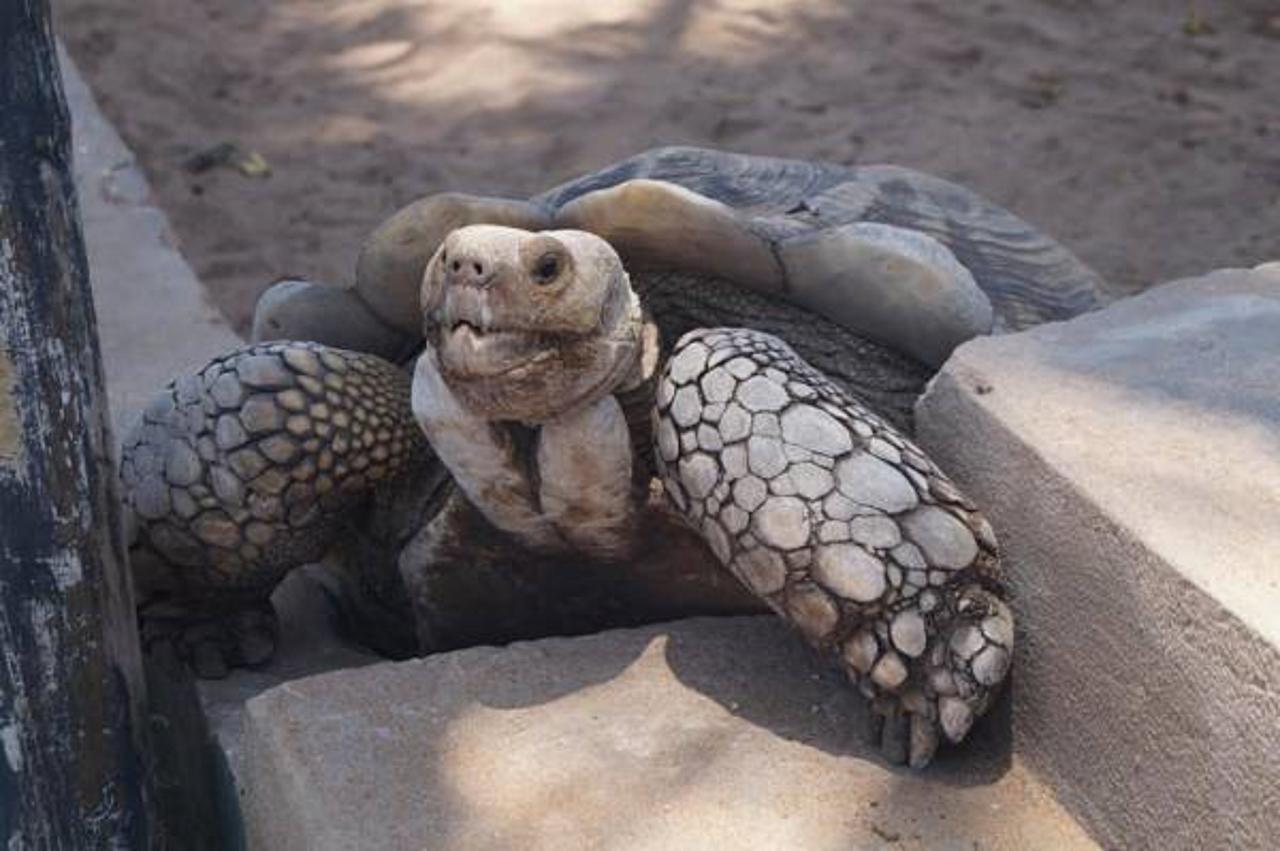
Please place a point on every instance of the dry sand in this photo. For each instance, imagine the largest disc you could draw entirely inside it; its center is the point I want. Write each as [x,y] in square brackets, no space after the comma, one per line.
[1145,134]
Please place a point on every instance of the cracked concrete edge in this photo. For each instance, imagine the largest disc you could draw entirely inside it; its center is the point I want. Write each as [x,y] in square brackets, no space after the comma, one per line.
[1147,704]
[154,321]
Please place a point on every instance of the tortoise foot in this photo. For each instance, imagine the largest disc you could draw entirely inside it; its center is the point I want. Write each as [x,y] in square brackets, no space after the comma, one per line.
[843,526]
[254,465]
[212,645]
[917,703]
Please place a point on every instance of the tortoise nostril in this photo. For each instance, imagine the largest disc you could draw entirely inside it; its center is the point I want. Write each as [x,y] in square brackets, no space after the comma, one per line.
[456,265]
[479,269]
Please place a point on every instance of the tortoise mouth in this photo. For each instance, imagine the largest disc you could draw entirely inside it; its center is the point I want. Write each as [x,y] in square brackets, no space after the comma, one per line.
[526,376]
[468,352]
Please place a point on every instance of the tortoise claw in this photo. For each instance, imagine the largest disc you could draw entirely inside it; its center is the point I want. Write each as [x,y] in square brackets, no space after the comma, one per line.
[208,661]
[893,739]
[924,741]
[214,645]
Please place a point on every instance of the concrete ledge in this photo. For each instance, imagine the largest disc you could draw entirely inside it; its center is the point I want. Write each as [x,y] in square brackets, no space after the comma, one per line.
[716,732]
[1130,461]
[153,319]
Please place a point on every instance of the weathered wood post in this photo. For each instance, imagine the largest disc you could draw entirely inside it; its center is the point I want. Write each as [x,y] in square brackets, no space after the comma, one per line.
[71,699]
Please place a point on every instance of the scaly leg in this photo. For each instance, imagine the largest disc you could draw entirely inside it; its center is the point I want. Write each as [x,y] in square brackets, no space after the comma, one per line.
[246,469]
[842,525]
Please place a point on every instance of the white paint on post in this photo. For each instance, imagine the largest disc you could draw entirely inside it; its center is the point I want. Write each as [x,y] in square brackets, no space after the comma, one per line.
[11,744]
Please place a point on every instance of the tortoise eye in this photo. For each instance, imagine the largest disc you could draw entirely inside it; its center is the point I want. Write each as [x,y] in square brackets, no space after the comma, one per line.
[546,268]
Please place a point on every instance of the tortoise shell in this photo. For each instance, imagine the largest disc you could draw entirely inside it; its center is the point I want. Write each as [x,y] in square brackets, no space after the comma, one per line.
[907,260]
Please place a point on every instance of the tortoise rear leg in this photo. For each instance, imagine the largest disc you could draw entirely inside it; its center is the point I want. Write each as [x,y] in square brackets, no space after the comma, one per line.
[842,525]
[246,469]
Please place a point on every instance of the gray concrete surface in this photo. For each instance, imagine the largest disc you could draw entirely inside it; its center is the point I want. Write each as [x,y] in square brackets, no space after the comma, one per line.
[153,319]
[706,733]
[1130,462]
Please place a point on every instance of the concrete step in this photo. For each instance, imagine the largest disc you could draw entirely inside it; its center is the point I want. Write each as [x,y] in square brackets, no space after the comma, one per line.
[712,732]
[1130,463]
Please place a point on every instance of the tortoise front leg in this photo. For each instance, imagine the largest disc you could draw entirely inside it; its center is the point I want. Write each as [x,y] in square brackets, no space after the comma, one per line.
[842,526]
[584,471]
[248,468]
[483,457]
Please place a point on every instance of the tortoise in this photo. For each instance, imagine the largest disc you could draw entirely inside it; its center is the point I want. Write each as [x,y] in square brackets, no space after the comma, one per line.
[732,343]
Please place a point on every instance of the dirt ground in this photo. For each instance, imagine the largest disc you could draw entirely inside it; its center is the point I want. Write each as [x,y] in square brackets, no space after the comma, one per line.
[1145,134]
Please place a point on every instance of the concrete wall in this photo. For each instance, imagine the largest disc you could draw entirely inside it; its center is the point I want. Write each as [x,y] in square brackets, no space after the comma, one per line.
[1130,462]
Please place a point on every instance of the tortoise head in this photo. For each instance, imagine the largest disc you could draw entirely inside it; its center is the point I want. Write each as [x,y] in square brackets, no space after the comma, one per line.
[527,325]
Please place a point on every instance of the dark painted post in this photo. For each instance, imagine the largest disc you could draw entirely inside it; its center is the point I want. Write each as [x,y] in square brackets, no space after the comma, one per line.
[71,699]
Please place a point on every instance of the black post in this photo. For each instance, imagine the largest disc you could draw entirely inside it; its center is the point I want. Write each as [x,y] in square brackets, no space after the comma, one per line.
[71,694]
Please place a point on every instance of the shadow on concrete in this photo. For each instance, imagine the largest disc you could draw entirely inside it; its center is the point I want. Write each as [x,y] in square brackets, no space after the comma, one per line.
[639,727]
[778,683]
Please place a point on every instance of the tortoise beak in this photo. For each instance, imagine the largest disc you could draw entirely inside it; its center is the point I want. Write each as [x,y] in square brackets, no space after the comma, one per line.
[470,352]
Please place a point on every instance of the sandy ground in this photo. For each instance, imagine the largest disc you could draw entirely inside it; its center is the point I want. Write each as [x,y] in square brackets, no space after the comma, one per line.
[1145,134]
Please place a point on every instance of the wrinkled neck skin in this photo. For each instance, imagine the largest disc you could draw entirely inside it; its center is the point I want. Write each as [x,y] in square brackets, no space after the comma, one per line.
[515,388]
[562,482]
